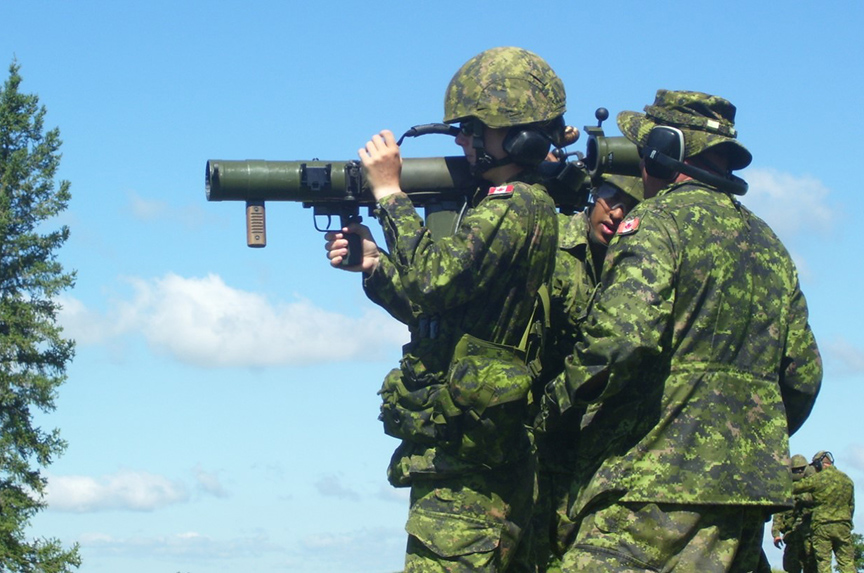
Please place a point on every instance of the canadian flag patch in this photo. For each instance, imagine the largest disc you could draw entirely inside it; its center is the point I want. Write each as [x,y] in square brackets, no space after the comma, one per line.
[502,190]
[629,226]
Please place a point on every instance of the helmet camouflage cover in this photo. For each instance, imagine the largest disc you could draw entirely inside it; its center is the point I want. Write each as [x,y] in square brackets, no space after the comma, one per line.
[798,461]
[629,185]
[503,87]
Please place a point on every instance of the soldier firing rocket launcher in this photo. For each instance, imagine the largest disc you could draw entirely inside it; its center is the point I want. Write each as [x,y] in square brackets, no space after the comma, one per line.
[441,185]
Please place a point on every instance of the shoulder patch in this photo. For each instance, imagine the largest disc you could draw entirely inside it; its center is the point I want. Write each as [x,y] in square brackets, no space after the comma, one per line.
[502,190]
[629,226]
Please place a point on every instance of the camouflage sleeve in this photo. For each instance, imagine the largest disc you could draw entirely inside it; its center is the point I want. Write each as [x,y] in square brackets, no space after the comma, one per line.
[383,288]
[801,372]
[439,275]
[628,322]
[780,523]
[806,485]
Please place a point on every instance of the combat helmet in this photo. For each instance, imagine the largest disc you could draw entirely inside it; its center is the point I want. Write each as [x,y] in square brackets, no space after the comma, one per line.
[822,454]
[799,466]
[505,87]
[629,185]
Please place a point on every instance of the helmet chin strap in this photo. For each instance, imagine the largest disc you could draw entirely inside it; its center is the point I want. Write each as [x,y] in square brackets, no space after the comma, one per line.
[484,162]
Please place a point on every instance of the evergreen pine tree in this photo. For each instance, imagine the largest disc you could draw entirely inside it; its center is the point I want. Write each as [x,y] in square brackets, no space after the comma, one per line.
[33,352]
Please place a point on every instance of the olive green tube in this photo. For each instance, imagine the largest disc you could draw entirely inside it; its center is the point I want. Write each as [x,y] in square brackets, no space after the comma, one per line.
[316,181]
[612,155]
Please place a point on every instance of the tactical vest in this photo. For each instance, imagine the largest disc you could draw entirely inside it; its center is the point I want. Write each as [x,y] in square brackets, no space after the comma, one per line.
[475,408]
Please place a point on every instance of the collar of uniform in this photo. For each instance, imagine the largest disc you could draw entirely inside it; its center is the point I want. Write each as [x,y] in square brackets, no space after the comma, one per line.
[572,230]
[687,183]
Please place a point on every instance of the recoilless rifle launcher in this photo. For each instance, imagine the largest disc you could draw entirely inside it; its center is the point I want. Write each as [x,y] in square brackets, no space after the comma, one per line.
[441,185]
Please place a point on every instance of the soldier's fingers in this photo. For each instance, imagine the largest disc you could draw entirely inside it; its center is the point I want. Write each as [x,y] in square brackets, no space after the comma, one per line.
[389,138]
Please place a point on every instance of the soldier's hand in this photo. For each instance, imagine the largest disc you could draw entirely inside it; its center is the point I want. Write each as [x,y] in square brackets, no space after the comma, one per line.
[337,248]
[382,163]
[778,542]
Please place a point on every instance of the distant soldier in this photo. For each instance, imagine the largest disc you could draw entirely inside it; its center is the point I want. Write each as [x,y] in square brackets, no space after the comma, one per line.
[792,527]
[834,505]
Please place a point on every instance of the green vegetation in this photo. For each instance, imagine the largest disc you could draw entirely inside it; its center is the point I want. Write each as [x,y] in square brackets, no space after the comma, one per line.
[33,354]
[858,540]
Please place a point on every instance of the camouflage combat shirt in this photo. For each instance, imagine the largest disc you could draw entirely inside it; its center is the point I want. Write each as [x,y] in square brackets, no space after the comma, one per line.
[573,281]
[833,495]
[696,359]
[482,280]
[793,520]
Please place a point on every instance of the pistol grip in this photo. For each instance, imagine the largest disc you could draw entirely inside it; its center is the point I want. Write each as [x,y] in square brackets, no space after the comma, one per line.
[355,250]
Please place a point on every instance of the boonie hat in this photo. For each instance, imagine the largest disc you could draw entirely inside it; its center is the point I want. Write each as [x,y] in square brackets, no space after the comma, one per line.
[705,120]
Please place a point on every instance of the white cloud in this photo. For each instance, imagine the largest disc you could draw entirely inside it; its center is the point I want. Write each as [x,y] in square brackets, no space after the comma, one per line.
[848,358]
[334,486]
[855,457]
[186,545]
[203,321]
[401,495]
[366,550]
[124,490]
[790,205]
[209,482]
[145,209]
[190,216]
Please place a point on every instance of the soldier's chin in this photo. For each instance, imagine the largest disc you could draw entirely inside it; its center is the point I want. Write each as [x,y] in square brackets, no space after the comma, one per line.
[599,238]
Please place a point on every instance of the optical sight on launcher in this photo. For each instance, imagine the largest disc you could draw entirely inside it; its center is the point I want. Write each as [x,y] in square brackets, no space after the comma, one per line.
[440,185]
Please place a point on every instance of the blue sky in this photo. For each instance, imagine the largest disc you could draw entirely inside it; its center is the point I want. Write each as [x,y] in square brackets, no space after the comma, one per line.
[221,411]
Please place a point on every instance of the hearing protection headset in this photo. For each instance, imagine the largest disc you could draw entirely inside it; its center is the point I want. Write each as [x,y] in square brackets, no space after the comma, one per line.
[663,154]
[817,460]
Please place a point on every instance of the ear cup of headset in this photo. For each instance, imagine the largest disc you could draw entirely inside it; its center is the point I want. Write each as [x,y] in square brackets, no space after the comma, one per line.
[663,155]
[526,146]
[663,143]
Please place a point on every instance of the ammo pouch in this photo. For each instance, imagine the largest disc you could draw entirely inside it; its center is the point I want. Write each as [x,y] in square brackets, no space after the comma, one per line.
[417,412]
[489,383]
[478,412]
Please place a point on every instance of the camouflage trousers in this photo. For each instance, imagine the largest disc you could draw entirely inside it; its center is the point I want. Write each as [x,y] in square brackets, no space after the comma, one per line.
[797,554]
[550,524]
[833,537]
[475,522]
[637,537]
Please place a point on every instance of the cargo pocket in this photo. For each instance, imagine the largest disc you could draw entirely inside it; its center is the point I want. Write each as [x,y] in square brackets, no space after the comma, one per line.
[454,532]
[416,415]
[484,374]
[490,382]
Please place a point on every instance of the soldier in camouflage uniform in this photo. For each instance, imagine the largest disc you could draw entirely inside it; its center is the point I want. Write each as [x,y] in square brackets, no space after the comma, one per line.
[459,401]
[833,508]
[582,241]
[696,363]
[792,527]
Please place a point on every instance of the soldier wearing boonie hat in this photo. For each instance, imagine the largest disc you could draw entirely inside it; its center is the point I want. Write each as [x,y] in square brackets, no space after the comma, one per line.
[711,150]
[706,120]
[695,362]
